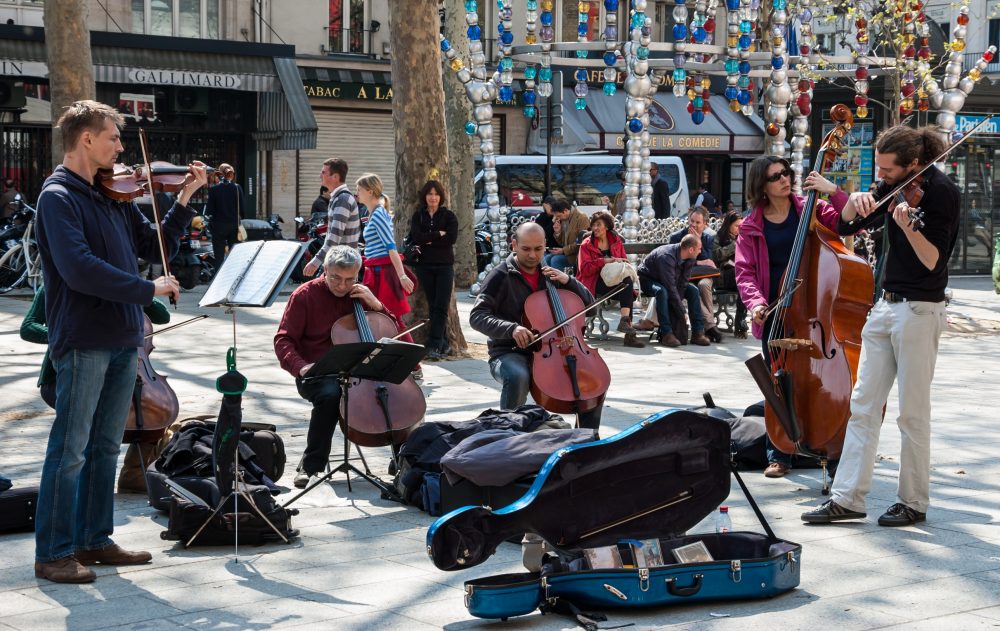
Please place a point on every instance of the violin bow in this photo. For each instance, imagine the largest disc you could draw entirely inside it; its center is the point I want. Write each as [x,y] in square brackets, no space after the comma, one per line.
[405,331]
[156,208]
[176,326]
[579,313]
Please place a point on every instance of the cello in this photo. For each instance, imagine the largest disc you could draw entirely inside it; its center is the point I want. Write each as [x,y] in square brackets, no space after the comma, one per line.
[153,397]
[567,375]
[378,413]
[815,335]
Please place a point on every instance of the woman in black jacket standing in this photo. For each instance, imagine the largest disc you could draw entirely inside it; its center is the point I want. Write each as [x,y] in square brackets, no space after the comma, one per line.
[435,229]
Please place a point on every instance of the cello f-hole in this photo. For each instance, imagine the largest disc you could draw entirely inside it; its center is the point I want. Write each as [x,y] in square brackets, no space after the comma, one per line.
[828,354]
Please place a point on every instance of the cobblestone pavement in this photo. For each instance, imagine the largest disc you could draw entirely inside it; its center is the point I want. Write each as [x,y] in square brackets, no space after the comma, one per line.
[360,562]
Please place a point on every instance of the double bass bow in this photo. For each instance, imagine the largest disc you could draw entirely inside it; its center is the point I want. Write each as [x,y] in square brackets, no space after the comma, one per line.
[567,375]
[378,413]
[815,333]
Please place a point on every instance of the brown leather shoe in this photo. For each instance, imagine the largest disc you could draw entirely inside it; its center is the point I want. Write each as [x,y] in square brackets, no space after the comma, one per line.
[645,325]
[65,570]
[113,555]
[632,341]
[700,339]
[714,335]
[776,470]
[669,339]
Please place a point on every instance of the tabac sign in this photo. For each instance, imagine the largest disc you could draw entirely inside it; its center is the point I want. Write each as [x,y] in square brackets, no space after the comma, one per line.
[345,91]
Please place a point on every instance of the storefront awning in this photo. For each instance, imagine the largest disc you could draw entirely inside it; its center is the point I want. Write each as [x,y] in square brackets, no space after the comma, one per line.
[285,120]
[601,126]
[341,75]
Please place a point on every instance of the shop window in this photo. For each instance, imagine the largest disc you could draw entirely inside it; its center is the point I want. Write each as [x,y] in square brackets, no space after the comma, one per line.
[994,35]
[177,18]
[349,28]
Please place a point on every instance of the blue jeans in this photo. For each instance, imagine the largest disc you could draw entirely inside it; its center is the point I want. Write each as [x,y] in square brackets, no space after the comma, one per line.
[558,261]
[77,494]
[662,297]
[513,372]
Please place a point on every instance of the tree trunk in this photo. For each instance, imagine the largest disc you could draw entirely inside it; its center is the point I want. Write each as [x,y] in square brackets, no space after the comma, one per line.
[71,71]
[458,110]
[419,122]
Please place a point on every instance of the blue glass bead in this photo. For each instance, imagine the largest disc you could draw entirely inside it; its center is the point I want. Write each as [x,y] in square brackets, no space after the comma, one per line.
[699,35]
[610,89]
[500,4]
[474,32]
[581,104]
[470,6]
[777,62]
[610,58]
[732,5]
[779,4]
[745,26]
[506,64]
[580,74]
[507,93]
[698,117]
[528,97]
[529,111]
[499,29]
[638,19]
[680,32]
[546,18]
[732,66]
[732,93]
[530,72]
[582,30]
[744,67]
[744,41]
[470,128]
[581,54]
[744,82]
[642,52]
[744,97]
[679,75]
[635,125]
[445,45]
[611,5]
[545,74]
[507,37]
[532,5]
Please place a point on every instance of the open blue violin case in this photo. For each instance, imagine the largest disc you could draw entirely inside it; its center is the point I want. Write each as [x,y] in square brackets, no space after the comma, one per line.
[654,480]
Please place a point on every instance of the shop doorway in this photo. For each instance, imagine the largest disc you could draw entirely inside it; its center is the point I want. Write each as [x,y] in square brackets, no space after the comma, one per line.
[974,170]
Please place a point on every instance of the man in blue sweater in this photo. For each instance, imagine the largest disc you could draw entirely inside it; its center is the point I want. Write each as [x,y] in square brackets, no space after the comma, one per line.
[94,298]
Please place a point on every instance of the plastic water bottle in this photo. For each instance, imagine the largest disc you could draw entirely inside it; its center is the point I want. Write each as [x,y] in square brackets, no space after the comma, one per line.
[722,521]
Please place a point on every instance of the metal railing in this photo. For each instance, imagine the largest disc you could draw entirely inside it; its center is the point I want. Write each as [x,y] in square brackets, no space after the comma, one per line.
[359,41]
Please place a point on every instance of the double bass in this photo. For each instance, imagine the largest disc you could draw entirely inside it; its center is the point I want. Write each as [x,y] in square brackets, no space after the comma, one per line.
[815,336]
[567,375]
[378,413]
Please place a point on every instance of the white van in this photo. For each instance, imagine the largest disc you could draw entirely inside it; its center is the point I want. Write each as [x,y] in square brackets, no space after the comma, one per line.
[583,178]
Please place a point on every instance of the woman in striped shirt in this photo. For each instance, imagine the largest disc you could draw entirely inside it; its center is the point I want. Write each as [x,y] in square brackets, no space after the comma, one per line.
[384,271]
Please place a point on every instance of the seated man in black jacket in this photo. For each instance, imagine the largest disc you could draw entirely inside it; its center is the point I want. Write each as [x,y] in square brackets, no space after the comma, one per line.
[664,273]
[499,309]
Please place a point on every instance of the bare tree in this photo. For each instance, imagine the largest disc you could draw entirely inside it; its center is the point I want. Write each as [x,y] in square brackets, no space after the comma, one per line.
[71,70]
[419,122]
[458,110]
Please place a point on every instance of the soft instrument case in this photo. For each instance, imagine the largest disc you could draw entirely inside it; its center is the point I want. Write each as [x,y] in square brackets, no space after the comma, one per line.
[655,480]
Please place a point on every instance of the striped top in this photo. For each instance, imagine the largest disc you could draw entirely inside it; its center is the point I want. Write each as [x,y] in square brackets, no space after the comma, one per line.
[379,238]
[343,223]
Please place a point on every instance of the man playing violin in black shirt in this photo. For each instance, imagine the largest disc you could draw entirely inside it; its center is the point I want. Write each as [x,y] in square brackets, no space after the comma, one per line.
[499,310]
[900,338]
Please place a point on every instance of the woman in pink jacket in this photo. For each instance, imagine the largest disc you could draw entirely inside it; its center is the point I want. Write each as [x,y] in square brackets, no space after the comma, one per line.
[765,245]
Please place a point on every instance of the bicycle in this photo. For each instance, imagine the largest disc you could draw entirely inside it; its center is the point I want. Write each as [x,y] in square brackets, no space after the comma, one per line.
[20,264]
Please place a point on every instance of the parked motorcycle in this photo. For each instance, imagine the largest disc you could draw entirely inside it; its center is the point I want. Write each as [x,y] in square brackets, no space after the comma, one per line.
[484,246]
[314,235]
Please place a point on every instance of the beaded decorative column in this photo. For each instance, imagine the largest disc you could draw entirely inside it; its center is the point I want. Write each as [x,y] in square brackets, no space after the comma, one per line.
[778,93]
[610,46]
[637,87]
[802,98]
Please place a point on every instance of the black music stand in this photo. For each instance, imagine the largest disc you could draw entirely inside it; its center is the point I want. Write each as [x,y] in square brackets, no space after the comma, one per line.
[385,360]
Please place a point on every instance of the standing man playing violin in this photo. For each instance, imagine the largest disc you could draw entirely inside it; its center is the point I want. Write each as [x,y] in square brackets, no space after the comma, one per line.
[900,338]
[303,338]
[499,310]
[93,306]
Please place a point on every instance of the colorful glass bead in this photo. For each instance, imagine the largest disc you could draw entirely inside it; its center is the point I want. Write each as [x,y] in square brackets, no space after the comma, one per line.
[530,111]
[580,103]
[635,125]
[470,128]
[610,88]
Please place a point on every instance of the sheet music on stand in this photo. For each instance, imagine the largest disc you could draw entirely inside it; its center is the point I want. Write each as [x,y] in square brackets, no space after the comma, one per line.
[253,274]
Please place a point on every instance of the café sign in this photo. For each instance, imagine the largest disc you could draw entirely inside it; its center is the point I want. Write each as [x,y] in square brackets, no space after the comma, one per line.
[686,142]
[183,78]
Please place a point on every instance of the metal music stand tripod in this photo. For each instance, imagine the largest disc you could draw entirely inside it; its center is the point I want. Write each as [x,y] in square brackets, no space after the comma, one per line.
[385,360]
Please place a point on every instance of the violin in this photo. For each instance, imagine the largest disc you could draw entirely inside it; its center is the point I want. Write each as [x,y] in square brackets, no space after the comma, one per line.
[153,397]
[378,413]
[567,375]
[909,194]
[124,183]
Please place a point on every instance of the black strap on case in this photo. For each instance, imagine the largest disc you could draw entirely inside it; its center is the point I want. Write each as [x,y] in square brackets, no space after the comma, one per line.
[753,504]
[587,620]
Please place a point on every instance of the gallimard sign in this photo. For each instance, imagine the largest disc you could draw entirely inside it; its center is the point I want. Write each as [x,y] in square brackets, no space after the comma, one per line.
[185,78]
[683,143]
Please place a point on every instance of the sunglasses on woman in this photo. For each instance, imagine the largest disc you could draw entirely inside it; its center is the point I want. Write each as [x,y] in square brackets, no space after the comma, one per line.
[786,172]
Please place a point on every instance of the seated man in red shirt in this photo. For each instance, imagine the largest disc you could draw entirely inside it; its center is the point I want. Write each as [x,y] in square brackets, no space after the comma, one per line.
[303,338]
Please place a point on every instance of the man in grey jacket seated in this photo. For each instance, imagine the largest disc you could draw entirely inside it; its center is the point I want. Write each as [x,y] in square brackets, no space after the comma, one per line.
[499,309]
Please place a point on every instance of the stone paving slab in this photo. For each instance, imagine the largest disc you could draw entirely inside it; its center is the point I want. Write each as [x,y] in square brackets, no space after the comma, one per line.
[360,561]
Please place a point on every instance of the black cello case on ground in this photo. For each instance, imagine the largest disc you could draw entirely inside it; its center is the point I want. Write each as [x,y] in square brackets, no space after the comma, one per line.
[655,480]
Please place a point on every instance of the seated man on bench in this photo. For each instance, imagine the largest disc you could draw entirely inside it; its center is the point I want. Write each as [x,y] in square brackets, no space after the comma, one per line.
[664,274]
